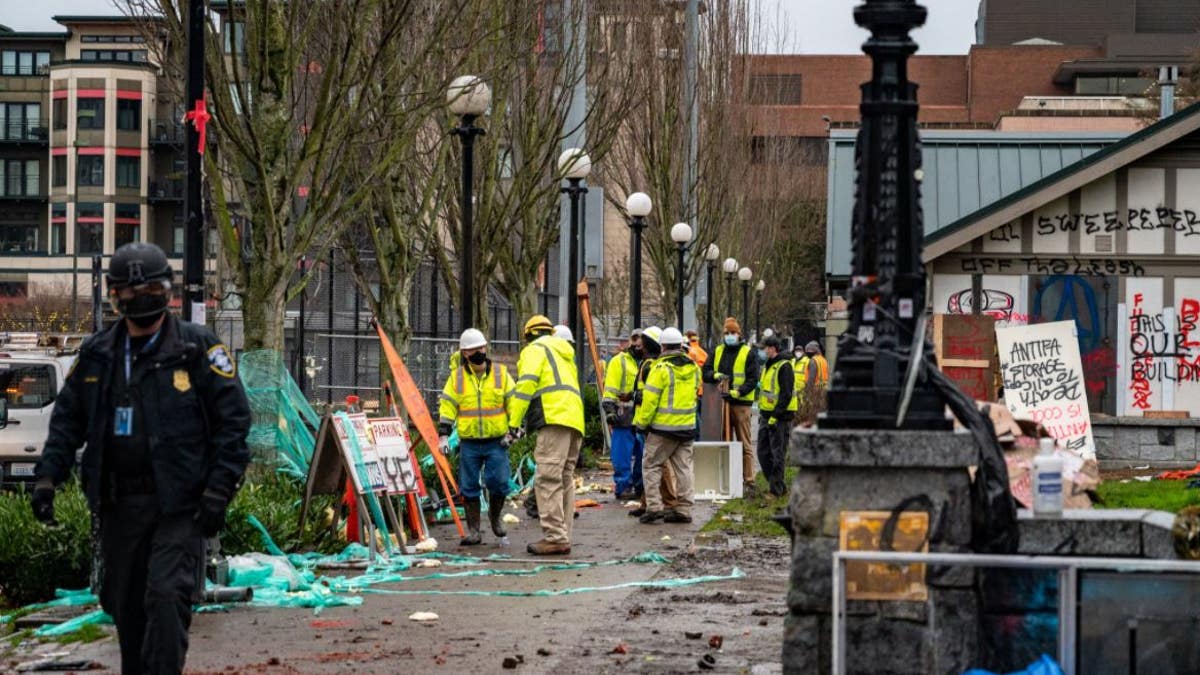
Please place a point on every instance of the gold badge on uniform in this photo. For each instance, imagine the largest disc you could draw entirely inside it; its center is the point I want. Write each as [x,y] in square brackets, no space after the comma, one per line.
[182,381]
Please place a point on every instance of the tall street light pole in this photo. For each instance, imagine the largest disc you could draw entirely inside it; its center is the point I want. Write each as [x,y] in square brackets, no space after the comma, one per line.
[875,375]
[681,234]
[638,206]
[193,209]
[744,275]
[758,291]
[730,267]
[710,256]
[574,165]
[468,97]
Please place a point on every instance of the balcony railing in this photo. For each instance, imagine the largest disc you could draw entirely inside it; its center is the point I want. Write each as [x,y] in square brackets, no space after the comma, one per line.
[25,131]
[20,240]
[166,190]
[166,132]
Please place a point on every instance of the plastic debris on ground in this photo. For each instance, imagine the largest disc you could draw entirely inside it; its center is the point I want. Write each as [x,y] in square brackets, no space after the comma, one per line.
[510,519]
[423,616]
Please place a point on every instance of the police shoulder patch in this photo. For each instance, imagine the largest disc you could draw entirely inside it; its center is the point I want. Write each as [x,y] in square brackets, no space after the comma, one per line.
[220,362]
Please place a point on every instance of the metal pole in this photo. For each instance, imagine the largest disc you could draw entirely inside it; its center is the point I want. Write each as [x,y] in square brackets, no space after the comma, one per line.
[301,374]
[745,305]
[97,312]
[357,312]
[635,272]
[757,312]
[708,336]
[466,133]
[74,291]
[193,242]
[679,288]
[329,333]
[691,104]
[728,294]
[573,190]
[434,295]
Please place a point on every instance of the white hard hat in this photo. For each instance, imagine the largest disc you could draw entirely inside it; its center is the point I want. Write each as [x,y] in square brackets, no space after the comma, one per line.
[653,333]
[671,336]
[561,331]
[767,332]
[472,338]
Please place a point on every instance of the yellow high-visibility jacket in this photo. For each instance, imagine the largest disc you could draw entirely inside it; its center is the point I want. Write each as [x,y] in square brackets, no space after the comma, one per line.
[775,389]
[547,386]
[669,397]
[480,403]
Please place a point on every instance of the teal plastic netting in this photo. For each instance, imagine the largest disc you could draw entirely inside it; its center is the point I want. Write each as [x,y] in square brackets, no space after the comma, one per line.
[282,418]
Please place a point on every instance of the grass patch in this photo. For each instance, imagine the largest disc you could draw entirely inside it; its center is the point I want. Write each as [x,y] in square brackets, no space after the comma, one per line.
[752,516]
[85,634]
[1163,495]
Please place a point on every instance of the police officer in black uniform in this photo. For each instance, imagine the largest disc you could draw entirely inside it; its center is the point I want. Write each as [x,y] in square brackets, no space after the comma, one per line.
[164,420]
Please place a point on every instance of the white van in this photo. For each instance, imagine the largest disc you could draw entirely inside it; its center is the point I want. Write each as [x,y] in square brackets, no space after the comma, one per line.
[32,371]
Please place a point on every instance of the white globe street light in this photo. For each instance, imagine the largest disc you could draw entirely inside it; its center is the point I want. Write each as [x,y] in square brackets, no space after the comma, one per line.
[681,234]
[574,164]
[638,205]
[468,95]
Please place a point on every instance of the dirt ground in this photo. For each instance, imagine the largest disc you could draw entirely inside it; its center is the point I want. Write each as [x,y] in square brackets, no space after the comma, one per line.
[640,630]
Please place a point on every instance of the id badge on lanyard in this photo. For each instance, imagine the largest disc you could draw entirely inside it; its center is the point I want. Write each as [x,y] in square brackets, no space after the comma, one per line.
[123,414]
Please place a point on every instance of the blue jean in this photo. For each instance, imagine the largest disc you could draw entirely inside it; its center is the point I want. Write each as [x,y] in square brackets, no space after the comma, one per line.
[623,440]
[486,456]
[635,480]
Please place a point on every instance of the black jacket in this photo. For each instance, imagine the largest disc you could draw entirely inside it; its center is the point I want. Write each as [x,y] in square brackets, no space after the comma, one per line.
[728,357]
[195,412]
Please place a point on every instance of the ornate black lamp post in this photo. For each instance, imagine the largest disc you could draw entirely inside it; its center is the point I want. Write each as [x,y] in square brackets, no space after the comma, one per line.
[887,296]
[758,291]
[744,276]
[711,254]
[681,234]
[468,97]
[638,205]
[730,268]
[574,165]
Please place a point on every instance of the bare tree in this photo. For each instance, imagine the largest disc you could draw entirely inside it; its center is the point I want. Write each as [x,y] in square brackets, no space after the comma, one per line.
[294,106]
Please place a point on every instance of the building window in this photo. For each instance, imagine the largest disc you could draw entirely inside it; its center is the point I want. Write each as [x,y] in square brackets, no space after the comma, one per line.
[20,178]
[89,170]
[14,62]
[129,115]
[128,224]
[177,235]
[60,113]
[93,39]
[89,113]
[129,172]
[21,121]
[58,229]
[121,55]
[1113,85]
[58,171]
[235,37]
[775,89]
[89,228]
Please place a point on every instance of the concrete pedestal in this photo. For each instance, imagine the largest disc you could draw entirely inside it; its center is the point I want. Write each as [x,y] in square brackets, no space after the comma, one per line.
[844,470]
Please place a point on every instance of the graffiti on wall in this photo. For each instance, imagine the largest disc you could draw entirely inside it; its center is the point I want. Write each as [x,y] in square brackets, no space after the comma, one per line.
[1094,267]
[1184,221]
[1163,348]
[996,304]
[1065,297]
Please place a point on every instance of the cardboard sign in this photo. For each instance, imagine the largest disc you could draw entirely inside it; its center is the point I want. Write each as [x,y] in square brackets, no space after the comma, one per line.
[368,473]
[862,531]
[399,466]
[1043,381]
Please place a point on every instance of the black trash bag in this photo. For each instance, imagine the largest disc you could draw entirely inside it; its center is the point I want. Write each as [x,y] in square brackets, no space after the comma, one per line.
[993,509]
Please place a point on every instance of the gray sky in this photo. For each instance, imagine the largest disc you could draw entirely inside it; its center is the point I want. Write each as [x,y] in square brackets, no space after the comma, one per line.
[804,26]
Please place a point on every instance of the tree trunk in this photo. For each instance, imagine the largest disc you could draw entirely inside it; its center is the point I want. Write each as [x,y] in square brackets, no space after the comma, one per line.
[263,304]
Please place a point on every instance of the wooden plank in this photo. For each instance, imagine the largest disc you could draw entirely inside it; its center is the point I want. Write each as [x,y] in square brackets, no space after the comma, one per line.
[966,363]
[1165,414]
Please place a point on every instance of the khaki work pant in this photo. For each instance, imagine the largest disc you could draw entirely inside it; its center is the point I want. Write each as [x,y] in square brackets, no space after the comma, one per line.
[661,452]
[666,486]
[739,420]
[556,453]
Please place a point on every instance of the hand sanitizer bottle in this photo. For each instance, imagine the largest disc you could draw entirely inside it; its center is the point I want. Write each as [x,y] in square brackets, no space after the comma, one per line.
[1047,481]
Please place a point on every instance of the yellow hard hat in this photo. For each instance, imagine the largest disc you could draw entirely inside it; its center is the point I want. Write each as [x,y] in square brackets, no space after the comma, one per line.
[538,323]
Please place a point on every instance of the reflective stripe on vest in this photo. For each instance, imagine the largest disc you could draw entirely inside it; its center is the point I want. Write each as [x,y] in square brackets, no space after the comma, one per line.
[739,371]
[768,398]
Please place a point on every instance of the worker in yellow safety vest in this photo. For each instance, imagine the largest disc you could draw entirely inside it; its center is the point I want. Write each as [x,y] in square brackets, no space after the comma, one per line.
[548,401]
[816,371]
[651,351]
[734,368]
[776,409]
[667,415]
[477,398]
[620,380]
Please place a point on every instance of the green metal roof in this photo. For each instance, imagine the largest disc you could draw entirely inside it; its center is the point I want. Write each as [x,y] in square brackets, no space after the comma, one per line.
[966,172]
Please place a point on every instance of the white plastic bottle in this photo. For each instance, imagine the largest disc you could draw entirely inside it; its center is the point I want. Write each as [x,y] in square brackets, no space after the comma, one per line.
[1047,481]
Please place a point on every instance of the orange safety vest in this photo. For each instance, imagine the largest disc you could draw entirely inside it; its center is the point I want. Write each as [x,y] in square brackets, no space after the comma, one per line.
[700,357]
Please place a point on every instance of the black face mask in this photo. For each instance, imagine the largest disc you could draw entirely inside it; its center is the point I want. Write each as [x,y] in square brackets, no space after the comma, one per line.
[143,310]
[478,358]
[636,350]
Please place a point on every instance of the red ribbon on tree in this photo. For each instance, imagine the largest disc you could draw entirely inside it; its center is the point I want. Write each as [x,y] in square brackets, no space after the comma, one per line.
[199,117]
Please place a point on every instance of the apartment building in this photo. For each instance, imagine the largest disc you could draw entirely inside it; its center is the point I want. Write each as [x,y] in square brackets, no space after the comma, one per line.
[91,153]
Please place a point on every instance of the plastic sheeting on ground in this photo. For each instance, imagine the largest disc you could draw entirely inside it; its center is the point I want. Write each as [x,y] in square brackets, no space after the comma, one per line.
[281,416]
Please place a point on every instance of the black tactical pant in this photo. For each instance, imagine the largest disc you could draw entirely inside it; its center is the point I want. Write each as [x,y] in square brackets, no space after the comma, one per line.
[772,451]
[151,567]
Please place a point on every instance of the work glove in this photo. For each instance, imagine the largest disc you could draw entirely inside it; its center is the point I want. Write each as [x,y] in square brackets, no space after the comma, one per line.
[612,419]
[210,518]
[720,376]
[42,502]
[726,396]
[770,421]
[637,397]
[507,441]
[444,444]
[517,433]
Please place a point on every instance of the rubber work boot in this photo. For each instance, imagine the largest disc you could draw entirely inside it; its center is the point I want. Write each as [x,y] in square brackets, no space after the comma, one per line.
[544,547]
[495,511]
[473,537]
[676,517]
[651,517]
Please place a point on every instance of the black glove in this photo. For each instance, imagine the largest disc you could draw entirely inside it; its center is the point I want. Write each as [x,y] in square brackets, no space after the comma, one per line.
[726,396]
[210,518]
[637,397]
[611,418]
[42,502]
[517,433]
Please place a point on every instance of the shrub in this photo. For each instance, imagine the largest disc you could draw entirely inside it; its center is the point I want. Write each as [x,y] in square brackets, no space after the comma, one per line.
[35,559]
[274,499]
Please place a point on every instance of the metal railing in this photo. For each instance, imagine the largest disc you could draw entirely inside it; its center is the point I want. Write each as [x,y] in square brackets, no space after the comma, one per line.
[166,189]
[1068,584]
[36,129]
[166,131]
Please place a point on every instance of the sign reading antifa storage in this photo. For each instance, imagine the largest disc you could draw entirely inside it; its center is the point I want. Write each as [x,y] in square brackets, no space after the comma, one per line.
[1043,380]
